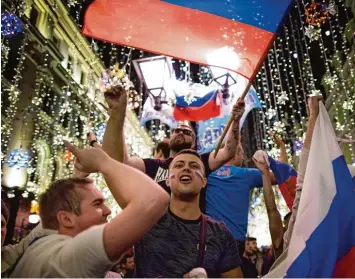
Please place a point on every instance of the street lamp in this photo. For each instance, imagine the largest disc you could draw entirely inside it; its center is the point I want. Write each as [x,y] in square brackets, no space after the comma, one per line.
[155,72]
[225,79]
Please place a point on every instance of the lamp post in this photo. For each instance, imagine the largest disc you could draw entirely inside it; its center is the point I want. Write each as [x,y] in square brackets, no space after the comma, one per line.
[155,73]
[225,79]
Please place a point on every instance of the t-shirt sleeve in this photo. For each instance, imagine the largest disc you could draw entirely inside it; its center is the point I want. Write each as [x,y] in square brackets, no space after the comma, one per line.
[230,258]
[205,157]
[256,178]
[85,255]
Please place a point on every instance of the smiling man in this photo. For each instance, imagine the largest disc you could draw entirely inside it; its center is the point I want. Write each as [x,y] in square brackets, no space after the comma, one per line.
[171,249]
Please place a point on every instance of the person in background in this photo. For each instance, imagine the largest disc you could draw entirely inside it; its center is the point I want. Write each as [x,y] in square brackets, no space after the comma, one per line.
[127,266]
[184,240]
[252,259]
[4,220]
[162,150]
[228,195]
[80,242]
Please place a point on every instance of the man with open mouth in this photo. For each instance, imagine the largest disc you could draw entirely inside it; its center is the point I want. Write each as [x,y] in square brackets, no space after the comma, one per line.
[185,239]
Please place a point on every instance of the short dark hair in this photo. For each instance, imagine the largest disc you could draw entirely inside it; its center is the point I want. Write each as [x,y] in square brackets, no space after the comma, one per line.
[60,195]
[190,151]
[164,147]
[287,216]
[251,239]
[124,258]
[4,211]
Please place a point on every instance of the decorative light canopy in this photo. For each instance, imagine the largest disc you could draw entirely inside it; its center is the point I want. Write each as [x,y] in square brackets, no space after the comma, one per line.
[11,25]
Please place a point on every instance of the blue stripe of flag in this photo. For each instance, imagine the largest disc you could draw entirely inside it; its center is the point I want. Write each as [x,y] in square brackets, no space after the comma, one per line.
[264,14]
[334,236]
[281,171]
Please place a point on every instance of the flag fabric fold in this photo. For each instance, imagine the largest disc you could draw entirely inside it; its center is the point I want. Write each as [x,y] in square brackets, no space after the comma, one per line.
[199,108]
[286,178]
[231,34]
[323,237]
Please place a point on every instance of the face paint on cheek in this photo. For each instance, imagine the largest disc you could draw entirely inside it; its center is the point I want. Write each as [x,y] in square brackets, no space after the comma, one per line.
[199,174]
[172,176]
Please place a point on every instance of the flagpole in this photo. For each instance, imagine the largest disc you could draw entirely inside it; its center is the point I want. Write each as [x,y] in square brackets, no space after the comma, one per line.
[246,90]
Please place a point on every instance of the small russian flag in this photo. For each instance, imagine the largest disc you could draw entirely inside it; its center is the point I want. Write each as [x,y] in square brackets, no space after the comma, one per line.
[200,108]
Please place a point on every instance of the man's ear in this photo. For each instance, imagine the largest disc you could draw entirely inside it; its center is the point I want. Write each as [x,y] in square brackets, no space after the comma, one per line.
[65,219]
[204,182]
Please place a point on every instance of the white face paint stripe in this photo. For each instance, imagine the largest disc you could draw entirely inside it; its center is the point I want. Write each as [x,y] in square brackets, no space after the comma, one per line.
[199,174]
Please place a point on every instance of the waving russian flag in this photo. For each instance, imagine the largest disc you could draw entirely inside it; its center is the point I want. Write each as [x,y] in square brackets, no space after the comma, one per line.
[323,239]
[231,34]
[200,108]
[286,178]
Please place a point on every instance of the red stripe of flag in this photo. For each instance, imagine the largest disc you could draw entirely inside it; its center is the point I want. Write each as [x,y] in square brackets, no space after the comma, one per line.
[176,31]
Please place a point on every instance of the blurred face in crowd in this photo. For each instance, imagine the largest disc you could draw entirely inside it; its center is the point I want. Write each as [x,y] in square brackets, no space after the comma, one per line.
[129,265]
[183,137]
[251,247]
[92,207]
[186,176]
[3,229]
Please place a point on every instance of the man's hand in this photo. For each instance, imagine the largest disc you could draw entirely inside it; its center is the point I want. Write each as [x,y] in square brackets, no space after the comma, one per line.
[116,98]
[313,105]
[262,166]
[88,160]
[277,139]
[238,109]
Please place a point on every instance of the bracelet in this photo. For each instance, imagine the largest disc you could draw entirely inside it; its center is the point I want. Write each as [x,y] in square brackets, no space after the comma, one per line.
[93,142]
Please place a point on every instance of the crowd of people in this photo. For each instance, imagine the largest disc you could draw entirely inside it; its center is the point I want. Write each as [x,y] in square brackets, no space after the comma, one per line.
[184,214]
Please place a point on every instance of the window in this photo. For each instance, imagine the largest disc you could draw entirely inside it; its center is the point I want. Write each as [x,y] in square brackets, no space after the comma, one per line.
[70,63]
[34,16]
[83,78]
[56,41]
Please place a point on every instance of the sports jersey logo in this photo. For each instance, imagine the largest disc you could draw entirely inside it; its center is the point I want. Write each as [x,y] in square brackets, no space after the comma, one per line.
[224,172]
[161,175]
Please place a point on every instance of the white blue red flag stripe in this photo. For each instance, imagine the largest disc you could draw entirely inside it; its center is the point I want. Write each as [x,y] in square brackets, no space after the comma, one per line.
[324,232]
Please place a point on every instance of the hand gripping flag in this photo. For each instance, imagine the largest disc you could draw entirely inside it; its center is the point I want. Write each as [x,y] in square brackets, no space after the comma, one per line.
[235,34]
[323,239]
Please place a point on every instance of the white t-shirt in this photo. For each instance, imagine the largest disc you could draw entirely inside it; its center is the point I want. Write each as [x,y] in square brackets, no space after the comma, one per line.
[58,255]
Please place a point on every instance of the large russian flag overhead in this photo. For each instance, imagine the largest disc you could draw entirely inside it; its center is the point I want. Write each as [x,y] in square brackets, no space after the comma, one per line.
[230,34]
[323,238]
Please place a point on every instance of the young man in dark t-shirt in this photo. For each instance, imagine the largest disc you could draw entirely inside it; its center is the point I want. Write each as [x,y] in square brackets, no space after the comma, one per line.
[171,248]
[183,137]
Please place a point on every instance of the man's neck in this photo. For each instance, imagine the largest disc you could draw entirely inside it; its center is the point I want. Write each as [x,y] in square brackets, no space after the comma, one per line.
[188,210]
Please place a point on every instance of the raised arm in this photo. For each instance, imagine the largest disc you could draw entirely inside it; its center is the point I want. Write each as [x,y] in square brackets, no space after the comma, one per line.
[233,140]
[275,221]
[143,201]
[280,144]
[313,105]
[114,142]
